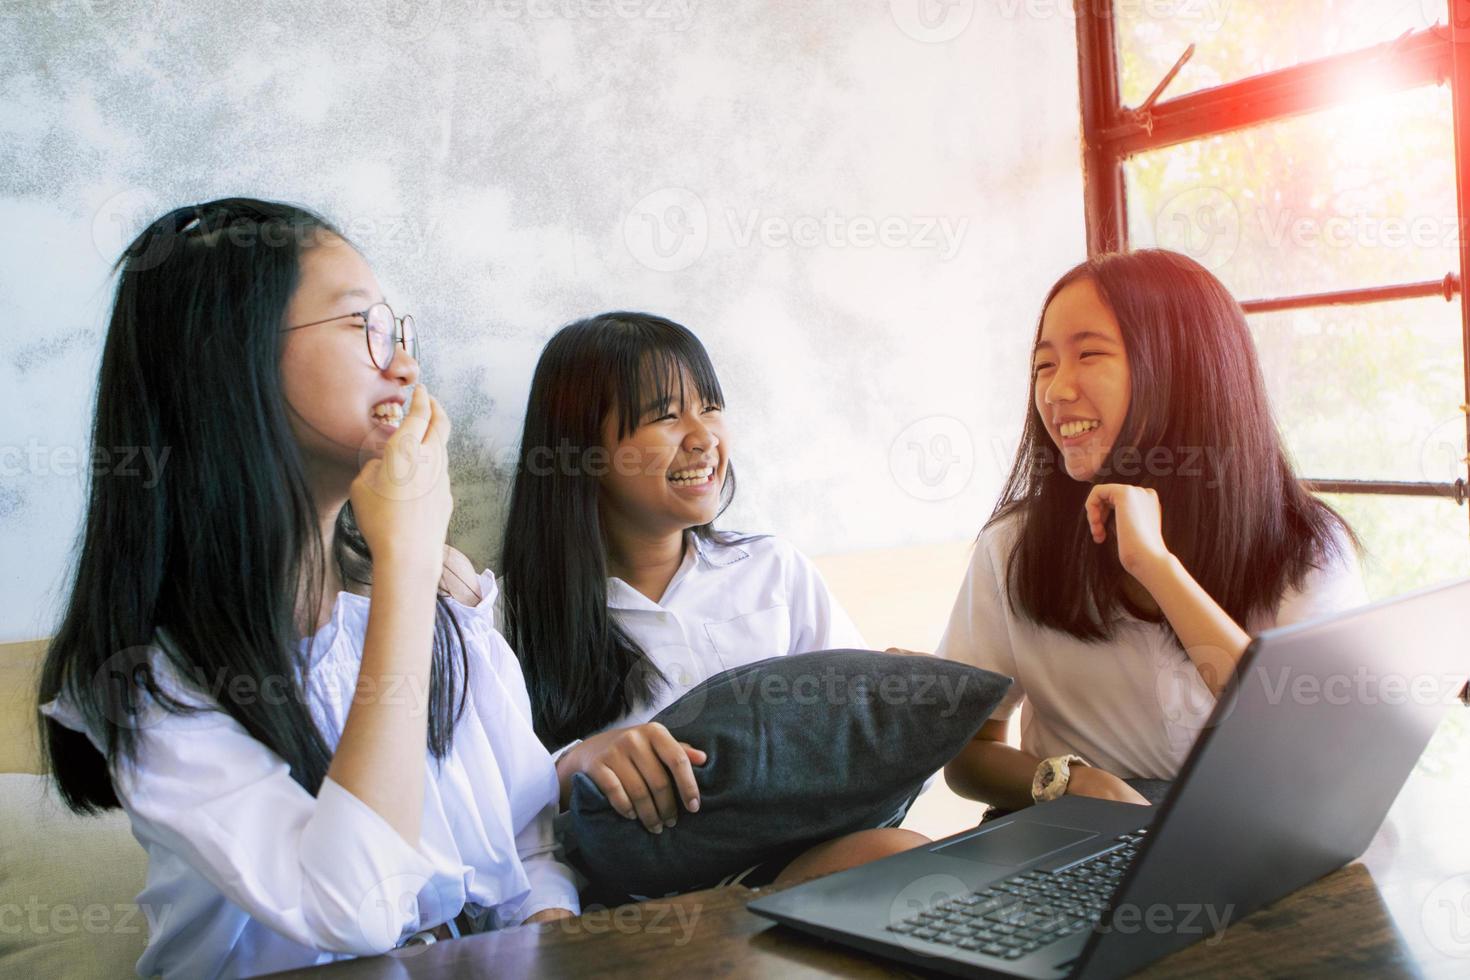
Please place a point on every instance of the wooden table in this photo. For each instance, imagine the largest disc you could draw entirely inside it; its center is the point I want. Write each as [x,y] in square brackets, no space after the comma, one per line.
[1402,910]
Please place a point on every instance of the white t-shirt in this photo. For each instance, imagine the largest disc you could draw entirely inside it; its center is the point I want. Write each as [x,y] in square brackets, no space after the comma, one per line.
[726,606]
[1132,705]
[249,874]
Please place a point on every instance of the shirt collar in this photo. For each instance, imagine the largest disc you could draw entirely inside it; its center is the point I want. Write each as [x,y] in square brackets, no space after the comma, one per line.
[700,555]
[715,553]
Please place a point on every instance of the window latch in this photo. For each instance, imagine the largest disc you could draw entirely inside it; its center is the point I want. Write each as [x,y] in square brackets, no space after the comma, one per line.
[1143,115]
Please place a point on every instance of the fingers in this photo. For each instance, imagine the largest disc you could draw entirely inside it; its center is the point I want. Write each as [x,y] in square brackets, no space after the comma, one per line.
[640,795]
[438,422]
[612,787]
[635,780]
[673,755]
[416,422]
[645,774]
[625,789]
[1136,507]
[660,788]
[1099,503]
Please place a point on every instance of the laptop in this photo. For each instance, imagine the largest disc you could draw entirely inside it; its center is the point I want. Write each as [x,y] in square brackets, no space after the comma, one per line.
[1289,780]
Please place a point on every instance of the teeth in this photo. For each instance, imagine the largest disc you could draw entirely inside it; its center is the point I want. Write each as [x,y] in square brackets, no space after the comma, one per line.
[1070,429]
[689,478]
[389,413]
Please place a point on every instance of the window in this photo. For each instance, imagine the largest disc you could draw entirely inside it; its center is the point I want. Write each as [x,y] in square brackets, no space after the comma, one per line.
[1316,157]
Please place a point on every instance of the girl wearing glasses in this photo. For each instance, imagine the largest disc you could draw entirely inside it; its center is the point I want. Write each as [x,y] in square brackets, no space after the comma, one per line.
[270,659]
[1150,525]
[620,594]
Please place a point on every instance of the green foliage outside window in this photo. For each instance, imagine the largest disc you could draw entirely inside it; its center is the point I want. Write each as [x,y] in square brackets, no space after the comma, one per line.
[1359,195]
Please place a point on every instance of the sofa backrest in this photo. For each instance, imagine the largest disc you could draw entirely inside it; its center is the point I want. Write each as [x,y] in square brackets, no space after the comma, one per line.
[67,882]
[19,665]
[68,886]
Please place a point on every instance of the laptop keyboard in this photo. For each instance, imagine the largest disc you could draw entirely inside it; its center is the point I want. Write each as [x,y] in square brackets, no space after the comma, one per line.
[1021,914]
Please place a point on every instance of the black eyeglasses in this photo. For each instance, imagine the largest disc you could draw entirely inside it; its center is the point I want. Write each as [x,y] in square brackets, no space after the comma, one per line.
[384,332]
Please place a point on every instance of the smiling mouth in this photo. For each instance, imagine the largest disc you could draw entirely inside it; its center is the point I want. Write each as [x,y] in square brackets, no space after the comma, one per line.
[389,414]
[1071,430]
[692,477]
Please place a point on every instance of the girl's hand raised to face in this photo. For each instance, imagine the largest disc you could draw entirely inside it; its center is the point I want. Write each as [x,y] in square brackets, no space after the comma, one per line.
[402,501]
[1138,524]
[643,771]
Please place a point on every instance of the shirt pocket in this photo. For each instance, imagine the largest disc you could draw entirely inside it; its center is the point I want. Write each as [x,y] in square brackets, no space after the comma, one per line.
[752,637]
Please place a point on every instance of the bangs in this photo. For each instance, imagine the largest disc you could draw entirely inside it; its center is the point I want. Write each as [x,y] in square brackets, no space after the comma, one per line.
[654,366]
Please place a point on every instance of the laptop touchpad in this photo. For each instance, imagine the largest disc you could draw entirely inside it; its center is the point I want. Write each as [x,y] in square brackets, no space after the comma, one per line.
[1015,843]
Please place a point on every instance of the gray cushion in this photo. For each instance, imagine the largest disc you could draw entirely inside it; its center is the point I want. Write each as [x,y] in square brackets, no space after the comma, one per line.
[801,749]
[67,887]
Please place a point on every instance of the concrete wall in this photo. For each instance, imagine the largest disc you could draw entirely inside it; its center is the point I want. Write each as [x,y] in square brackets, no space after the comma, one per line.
[857,205]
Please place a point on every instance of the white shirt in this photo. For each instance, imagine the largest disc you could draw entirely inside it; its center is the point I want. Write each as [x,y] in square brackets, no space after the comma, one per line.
[1132,705]
[726,606]
[249,874]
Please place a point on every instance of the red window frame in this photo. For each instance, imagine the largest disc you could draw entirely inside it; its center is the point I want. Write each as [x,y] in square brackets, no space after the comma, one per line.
[1112,132]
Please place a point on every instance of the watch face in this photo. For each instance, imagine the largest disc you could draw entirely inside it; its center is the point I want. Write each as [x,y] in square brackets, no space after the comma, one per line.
[1048,777]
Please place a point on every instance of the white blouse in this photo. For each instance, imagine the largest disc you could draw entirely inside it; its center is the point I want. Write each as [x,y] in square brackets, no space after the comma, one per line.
[249,874]
[729,605]
[1132,705]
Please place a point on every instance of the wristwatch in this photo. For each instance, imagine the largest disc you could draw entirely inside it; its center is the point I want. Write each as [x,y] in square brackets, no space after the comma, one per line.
[1052,776]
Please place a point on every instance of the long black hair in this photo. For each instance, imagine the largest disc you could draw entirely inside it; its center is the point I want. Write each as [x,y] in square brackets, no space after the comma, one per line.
[1233,511]
[583,671]
[213,564]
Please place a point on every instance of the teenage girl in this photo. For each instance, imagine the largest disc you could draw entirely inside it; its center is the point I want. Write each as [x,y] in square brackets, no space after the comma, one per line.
[321,755]
[1151,524]
[620,595]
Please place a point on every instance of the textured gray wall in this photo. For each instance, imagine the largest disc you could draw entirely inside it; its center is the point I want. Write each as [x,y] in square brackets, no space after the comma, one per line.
[857,205]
